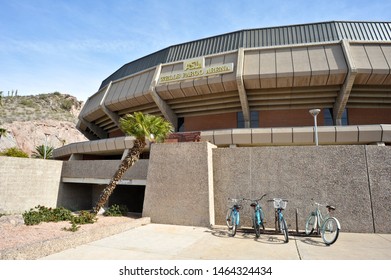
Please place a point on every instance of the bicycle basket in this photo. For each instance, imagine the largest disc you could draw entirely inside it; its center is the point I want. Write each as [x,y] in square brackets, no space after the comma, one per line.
[279,203]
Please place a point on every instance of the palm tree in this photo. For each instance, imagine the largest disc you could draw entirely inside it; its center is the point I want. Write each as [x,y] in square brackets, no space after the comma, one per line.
[142,127]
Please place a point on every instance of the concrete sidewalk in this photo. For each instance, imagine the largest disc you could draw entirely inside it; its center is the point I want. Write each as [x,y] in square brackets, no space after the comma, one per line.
[171,242]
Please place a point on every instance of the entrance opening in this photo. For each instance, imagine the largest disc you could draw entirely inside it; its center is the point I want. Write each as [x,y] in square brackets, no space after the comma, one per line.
[131,196]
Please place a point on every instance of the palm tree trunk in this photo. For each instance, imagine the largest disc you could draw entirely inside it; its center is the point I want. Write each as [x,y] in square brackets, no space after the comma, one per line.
[130,159]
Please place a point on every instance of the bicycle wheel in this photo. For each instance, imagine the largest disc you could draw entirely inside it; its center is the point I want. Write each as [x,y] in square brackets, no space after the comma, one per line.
[310,224]
[262,218]
[228,218]
[284,229]
[256,224]
[232,222]
[330,231]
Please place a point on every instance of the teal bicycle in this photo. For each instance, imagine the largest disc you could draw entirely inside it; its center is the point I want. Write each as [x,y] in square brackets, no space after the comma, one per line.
[327,225]
[279,206]
[258,216]
[233,216]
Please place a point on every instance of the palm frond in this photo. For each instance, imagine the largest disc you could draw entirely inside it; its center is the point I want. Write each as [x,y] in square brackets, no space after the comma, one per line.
[142,126]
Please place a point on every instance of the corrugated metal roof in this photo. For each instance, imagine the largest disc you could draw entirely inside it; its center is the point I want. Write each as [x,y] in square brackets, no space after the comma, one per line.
[260,37]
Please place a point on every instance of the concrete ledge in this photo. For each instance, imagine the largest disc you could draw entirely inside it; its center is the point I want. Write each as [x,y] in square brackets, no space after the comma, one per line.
[280,136]
[114,145]
[223,137]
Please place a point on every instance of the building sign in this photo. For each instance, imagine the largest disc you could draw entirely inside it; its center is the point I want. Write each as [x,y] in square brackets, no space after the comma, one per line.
[195,68]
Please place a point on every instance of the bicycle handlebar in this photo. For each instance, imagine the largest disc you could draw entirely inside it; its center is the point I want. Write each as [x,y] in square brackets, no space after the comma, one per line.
[283,199]
[255,200]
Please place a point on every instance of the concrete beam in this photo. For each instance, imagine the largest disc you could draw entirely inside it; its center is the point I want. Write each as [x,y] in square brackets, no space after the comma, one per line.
[241,88]
[166,110]
[113,116]
[344,93]
[101,133]
[97,181]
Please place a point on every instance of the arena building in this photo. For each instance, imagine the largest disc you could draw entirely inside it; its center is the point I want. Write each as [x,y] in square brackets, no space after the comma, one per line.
[249,89]
[260,78]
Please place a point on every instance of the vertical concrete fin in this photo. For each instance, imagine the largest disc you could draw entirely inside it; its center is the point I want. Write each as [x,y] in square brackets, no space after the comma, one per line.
[343,95]
[241,88]
[166,110]
[113,116]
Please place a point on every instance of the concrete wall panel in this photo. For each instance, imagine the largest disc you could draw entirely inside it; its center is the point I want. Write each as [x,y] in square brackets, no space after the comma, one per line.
[180,195]
[26,183]
[327,174]
[379,167]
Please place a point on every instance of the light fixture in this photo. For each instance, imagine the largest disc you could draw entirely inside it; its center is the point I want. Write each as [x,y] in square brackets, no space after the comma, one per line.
[314,113]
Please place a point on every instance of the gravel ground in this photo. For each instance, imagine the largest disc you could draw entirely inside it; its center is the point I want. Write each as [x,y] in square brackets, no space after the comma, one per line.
[21,242]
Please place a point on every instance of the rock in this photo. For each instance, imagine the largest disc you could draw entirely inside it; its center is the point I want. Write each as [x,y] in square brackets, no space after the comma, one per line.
[28,135]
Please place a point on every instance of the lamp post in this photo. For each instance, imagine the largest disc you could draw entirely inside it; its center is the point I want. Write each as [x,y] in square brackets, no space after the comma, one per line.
[314,113]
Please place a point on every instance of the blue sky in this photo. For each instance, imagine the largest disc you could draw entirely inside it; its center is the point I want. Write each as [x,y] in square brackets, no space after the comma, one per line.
[71,46]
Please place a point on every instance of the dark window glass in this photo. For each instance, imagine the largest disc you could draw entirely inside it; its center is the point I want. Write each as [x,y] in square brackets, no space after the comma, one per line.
[254,119]
[328,117]
[181,124]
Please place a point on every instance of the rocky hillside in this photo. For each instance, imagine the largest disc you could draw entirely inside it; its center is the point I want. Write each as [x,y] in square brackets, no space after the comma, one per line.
[31,121]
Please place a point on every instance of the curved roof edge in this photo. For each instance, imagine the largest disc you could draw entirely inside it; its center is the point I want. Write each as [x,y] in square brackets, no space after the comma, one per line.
[260,37]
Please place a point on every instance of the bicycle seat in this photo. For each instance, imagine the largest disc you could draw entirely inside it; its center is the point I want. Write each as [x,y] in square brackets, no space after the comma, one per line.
[329,207]
[253,204]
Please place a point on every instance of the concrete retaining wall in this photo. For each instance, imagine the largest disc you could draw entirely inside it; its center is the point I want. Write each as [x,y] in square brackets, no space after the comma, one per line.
[329,174]
[356,179]
[26,183]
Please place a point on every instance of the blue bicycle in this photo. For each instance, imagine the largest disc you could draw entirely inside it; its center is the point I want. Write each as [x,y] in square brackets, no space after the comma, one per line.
[233,216]
[258,216]
[279,206]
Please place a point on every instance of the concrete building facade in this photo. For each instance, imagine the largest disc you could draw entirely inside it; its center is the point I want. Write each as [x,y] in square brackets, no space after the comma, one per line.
[248,94]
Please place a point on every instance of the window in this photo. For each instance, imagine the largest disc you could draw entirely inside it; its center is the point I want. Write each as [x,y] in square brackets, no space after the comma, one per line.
[254,119]
[328,117]
[181,124]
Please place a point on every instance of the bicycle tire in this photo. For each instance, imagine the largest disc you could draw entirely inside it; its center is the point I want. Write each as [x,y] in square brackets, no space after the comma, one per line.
[228,218]
[262,215]
[310,224]
[232,222]
[284,229]
[330,231]
[257,222]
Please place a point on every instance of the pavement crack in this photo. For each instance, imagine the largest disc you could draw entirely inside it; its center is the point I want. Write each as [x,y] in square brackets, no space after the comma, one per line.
[297,249]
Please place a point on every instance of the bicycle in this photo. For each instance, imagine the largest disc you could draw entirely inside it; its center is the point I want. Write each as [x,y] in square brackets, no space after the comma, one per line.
[328,225]
[258,216]
[233,216]
[279,205]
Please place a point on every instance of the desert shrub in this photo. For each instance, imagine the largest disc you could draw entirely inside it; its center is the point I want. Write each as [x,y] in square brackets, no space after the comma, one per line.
[41,214]
[84,217]
[116,210]
[14,152]
[44,214]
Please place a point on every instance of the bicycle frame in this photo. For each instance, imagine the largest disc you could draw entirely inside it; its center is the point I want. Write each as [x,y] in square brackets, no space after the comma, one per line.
[320,218]
[258,215]
[280,222]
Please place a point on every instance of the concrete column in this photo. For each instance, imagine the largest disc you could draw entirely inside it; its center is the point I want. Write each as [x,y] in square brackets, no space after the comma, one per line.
[113,116]
[166,110]
[241,88]
[344,93]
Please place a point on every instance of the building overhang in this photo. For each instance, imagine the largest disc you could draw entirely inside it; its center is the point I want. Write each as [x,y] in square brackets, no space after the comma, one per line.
[245,137]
